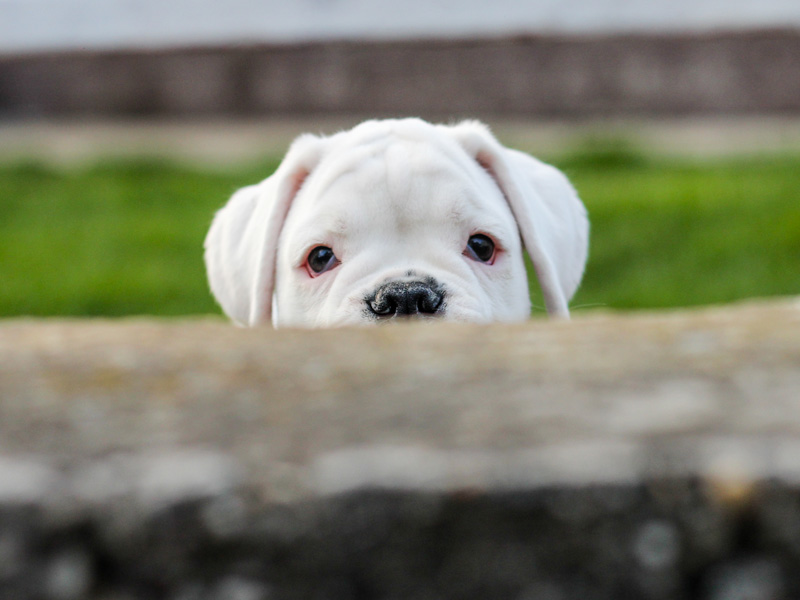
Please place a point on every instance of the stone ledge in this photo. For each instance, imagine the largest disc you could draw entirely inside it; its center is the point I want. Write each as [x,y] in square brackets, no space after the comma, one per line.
[648,456]
[81,389]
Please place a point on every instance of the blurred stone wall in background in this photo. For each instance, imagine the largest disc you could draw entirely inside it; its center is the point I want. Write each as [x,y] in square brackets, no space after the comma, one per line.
[541,76]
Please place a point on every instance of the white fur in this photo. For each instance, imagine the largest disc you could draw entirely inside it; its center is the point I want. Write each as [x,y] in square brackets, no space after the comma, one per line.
[391,197]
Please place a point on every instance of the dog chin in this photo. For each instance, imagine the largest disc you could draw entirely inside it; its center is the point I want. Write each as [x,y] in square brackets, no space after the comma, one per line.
[361,319]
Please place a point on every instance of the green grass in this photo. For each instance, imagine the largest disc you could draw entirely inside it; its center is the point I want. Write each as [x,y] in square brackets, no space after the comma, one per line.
[671,233]
[125,238]
[114,239]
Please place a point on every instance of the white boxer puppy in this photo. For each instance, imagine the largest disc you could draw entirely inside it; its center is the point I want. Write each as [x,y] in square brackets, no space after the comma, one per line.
[397,218]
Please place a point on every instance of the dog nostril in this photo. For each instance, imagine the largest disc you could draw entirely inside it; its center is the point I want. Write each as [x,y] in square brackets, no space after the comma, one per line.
[428,301]
[383,305]
[405,298]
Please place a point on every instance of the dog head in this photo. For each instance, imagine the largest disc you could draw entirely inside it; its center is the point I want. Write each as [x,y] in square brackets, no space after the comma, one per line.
[393,219]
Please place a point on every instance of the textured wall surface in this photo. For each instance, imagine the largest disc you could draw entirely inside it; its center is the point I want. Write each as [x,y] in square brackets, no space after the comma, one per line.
[639,456]
[750,72]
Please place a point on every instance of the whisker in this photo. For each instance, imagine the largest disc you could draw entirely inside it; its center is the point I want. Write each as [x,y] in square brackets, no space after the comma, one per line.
[595,305]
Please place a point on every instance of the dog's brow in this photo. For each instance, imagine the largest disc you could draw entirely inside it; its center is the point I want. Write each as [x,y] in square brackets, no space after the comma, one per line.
[339,227]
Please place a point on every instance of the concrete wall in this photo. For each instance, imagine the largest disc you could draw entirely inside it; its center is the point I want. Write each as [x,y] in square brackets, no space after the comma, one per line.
[542,76]
[649,456]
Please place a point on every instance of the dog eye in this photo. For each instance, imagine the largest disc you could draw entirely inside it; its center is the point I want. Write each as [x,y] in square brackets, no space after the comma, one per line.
[320,259]
[481,248]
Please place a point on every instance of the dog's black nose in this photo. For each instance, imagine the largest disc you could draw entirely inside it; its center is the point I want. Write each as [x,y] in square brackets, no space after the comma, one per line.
[406,298]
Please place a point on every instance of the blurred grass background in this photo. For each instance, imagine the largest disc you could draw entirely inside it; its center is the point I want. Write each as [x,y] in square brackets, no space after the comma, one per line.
[124,237]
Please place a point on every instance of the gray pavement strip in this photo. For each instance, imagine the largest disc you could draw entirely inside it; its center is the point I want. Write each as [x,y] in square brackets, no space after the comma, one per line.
[222,142]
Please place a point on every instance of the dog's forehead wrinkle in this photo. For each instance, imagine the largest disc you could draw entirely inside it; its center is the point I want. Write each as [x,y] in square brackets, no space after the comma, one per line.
[404,210]
[378,197]
[406,170]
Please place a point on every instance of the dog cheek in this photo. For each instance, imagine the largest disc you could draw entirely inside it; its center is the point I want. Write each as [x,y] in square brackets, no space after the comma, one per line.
[295,297]
[503,291]
[513,300]
[332,301]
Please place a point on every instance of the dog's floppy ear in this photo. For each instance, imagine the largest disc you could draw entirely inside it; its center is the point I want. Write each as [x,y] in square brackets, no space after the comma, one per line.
[551,218]
[241,246]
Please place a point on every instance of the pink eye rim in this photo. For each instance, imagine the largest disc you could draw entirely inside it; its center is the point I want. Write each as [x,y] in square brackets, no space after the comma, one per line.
[320,259]
[481,248]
